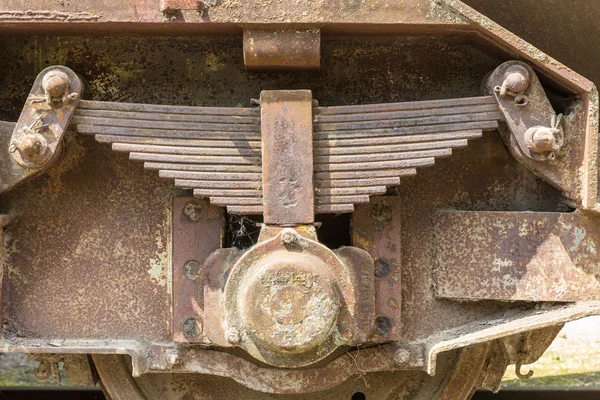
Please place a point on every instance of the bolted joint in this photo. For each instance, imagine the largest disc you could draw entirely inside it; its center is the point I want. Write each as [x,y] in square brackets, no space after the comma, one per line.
[31,149]
[289,237]
[172,358]
[516,81]
[401,356]
[233,336]
[544,142]
[33,146]
[56,85]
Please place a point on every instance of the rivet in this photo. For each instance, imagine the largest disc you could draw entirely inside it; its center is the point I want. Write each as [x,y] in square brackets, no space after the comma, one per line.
[382,268]
[192,270]
[32,145]
[193,211]
[516,80]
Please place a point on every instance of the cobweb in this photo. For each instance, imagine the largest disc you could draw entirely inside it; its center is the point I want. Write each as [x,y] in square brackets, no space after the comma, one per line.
[242,231]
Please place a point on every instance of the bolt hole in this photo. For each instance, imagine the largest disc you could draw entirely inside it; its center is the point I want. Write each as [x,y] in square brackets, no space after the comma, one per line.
[383,325]
[359,396]
[521,100]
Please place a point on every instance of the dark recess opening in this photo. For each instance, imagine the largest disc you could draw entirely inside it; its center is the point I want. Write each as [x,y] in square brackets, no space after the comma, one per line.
[242,230]
[334,230]
[359,396]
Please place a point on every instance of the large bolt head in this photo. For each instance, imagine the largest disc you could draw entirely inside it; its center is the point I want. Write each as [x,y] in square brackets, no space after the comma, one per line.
[32,146]
[542,140]
[516,79]
[54,85]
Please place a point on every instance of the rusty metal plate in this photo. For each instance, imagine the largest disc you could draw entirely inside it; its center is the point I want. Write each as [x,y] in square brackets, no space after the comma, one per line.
[286,126]
[89,251]
[220,15]
[376,228]
[197,232]
[516,256]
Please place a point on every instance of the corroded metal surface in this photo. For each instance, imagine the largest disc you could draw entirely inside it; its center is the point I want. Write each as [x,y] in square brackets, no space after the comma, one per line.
[454,366]
[38,137]
[217,15]
[287,143]
[376,228]
[289,301]
[282,49]
[359,151]
[516,256]
[109,257]
[535,134]
[119,244]
[213,150]
[197,232]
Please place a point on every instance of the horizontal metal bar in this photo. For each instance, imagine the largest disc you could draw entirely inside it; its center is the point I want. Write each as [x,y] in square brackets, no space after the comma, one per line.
[194,159]
[369,190]
[368,174]
[207,151]
[251,210]
[366,158]
[406,130]
[436,135]
[391,148]
[402,114]
[196,184]
[201,167]
[155,116]
[177,125]
[353,199]
[236,201]
[419,162]
[170,141]
[333,208]
[411,105]
[341,183]
[167,133]
[211,176]
[227,192]
[156,108]
[342,128]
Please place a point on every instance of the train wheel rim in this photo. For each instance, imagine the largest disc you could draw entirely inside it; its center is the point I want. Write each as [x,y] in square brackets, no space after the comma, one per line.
[456,379]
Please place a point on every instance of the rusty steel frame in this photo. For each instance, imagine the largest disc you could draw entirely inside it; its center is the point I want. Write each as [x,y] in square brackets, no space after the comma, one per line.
[522,246]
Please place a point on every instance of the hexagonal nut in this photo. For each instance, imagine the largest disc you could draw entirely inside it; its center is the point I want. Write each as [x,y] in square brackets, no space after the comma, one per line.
[401,356]
[173,358]
[233,336]
[289,237]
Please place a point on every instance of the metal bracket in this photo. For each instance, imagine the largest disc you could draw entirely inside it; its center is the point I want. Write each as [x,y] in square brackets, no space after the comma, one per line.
[37,138]
[545,142]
